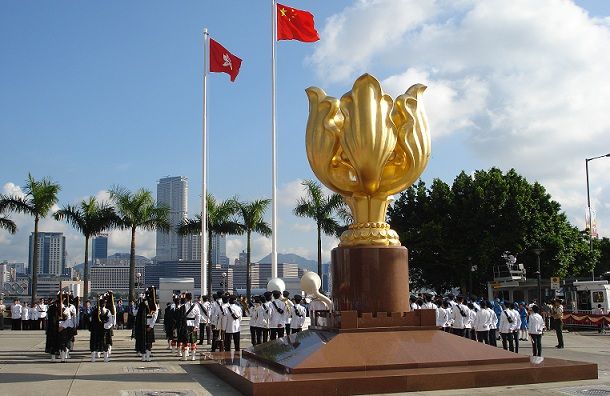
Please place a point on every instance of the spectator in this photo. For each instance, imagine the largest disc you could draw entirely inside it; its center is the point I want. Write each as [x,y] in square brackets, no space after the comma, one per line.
[557,314]
[600,311]
[2,309]
[120,314]
[16,309]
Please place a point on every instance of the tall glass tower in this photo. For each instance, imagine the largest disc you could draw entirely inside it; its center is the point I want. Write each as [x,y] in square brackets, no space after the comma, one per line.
[173,193]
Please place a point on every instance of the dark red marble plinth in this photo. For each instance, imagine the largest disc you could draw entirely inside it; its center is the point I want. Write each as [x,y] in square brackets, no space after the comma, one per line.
[370,279]
[344,363]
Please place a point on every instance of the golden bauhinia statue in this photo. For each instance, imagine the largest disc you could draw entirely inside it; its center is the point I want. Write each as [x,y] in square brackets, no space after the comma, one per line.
[367,147]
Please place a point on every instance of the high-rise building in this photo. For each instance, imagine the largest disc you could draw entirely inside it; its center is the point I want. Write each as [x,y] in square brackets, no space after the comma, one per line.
[99,248]
[191,247]
[115,276]
[173,193]
[219,250]
[51,253]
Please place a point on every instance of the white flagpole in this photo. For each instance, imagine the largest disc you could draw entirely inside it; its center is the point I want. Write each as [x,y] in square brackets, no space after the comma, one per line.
[273,147]
[204,177]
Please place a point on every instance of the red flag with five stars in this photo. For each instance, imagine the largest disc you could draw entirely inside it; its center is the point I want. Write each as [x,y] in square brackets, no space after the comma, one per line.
[293,24]
[223,61]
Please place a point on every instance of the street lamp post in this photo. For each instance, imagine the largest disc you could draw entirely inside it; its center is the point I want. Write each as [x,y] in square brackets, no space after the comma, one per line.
[138,276]
[589,209]
[224,282]
[537,251]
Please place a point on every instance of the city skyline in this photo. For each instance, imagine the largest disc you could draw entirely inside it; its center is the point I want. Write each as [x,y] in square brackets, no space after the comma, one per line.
[509,85]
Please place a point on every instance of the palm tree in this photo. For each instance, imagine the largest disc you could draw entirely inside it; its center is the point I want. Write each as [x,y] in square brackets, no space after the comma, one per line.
[91,219]
[251,214]
[321,208]
[220,221]
[8,225]
[40,196]
[138,210]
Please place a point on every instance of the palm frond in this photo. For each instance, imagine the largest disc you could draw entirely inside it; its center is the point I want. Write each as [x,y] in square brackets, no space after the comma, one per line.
[42,193]
[73,216]
[14,203]
[8,225]
[190,226]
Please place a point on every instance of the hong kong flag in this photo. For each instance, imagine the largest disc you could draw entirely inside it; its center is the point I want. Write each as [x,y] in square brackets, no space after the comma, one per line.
[222,61]
[293,24]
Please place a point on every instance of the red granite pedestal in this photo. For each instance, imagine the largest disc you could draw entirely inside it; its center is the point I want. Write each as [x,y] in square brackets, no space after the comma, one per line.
[348,352]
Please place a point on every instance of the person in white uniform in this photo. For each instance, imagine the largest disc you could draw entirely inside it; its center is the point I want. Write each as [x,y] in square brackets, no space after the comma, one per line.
[460,315]
[67,324]
[278,316]
[535,327]
[188,329]
[232,323]
[298,314]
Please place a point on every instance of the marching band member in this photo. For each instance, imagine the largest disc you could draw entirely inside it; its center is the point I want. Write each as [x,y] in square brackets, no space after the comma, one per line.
[52,330]
[289,305]
[146,317]
[507,324]
[204,326]
[169,324]
[101,329]
[460,315]
[298,314]
[481,324]
[278,316]
[190,316]
[216,320]
[266,306]
[233,315]
[253,318]
[67,322]
[262,321]
[493,324]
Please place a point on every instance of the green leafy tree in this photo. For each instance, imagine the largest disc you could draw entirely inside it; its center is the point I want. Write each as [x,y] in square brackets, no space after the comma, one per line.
[603,247]
[450,231]
[40,196]
[251,215]
[8,225]
[90,219]
[137,210]
[322,209]
[220,221]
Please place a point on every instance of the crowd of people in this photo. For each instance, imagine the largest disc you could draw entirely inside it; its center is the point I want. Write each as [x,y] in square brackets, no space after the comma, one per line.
[216,320]
[491,321]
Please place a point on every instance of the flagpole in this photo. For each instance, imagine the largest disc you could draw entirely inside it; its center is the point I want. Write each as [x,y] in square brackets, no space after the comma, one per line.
[273,146]
[204,177]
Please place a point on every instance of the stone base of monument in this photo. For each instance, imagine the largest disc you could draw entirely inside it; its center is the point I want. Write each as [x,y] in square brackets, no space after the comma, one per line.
[353,354]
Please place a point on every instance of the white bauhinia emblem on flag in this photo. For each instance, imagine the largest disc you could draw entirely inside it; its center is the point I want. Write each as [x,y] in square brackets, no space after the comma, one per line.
[227,60]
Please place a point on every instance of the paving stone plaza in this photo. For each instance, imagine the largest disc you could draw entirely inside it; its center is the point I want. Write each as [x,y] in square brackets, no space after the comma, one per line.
[26,370]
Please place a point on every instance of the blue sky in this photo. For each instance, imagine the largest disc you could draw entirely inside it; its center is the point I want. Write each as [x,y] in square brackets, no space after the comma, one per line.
[94,94]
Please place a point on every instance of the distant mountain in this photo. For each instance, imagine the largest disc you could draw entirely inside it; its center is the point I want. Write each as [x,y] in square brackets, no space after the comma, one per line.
[291,258]
[113,259]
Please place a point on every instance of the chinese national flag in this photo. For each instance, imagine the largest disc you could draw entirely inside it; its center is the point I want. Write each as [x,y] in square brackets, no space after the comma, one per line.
[222,61]
[293,24]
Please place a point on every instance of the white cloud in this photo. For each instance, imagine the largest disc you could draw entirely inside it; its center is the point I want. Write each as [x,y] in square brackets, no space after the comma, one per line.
[261,247]
[303,227]
[235,245]
[525,84]
[120,241]
[289,193]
